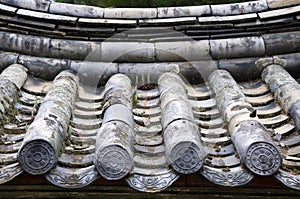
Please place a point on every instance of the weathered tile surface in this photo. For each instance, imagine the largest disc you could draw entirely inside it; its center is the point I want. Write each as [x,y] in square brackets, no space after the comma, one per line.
[130,13]
[239,8]
[46,16]
[279,3]
[238,47]
[40,5]
[76,10]
[188,11]
[182,51]
[57,37]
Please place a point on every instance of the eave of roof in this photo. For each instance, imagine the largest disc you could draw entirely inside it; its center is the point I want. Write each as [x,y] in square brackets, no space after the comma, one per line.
[41,39]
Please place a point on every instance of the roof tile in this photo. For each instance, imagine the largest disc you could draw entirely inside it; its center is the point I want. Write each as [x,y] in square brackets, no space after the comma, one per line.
[279,12]
[187,11]
[279,4]
[76,10]
[239,8]
[130,13]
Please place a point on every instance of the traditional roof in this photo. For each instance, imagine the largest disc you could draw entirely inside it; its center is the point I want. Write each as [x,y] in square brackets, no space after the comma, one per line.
[147,95]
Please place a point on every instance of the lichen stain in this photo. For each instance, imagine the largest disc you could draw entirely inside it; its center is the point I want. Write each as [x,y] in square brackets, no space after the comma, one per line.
[247,42]
[238,8]
[40,5]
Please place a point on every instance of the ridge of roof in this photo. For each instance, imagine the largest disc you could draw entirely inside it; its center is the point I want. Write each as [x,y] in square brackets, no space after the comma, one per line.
[160,12]
[198,24]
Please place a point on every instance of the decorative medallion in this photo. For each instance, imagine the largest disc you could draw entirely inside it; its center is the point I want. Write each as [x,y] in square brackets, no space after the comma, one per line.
[186,159]
[113,162]
[37,157]
[263,159]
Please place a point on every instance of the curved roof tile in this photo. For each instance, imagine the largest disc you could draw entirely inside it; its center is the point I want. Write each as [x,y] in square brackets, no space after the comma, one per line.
[156,50]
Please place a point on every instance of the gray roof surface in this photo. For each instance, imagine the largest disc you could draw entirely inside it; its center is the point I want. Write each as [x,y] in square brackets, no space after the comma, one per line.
[147,95]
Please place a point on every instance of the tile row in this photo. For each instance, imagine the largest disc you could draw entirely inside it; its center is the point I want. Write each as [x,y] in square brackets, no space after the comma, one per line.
[160,12]
[143,52]
[99,72]
[149,132]
[259,22]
